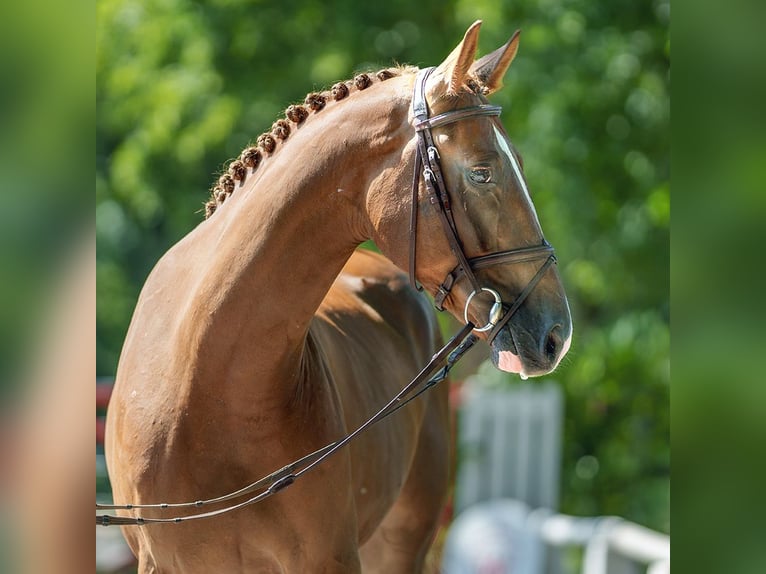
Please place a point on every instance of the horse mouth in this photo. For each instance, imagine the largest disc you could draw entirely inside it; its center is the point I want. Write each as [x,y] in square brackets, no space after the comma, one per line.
[508,362]
[504,353]
[516,352]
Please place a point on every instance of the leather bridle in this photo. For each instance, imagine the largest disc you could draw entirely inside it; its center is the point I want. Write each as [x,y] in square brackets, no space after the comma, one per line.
[427,158]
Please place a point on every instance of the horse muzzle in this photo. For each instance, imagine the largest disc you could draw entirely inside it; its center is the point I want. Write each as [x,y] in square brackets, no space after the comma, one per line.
[530,353]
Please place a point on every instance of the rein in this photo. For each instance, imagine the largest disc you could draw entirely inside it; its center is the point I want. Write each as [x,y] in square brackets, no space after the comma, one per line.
[426,158]
[287,475]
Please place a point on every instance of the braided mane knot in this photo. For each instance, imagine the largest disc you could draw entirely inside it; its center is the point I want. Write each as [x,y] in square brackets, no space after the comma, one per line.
[316,101]
[252,156]
[297,114]
[220,194]
[237,170]
[267,143]
[339,91]
[362,81]
[281,129]
[226,182]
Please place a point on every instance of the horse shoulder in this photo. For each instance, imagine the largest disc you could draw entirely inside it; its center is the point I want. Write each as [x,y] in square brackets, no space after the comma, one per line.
[376,332]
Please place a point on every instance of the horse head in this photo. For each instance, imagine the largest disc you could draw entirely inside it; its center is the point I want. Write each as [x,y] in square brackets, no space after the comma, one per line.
[489,245]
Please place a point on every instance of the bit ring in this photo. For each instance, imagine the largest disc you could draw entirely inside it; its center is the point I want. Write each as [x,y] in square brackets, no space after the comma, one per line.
[495,312]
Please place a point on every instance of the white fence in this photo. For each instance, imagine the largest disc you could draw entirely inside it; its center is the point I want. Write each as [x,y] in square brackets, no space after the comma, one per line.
[506,494]
[506,537]
[509,444]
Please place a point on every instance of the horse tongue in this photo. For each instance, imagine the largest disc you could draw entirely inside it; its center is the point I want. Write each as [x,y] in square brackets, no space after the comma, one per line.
[509,362]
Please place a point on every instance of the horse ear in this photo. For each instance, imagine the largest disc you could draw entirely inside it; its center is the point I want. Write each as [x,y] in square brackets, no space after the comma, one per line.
[454,69]
[490,69]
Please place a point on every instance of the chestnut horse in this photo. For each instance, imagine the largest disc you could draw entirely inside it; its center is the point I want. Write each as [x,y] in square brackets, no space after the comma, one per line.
[264,334]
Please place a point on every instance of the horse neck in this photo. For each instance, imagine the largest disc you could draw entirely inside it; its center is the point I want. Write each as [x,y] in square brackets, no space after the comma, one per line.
[281,240]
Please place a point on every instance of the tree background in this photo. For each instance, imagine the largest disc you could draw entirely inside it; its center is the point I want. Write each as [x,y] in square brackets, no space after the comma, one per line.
[183,86]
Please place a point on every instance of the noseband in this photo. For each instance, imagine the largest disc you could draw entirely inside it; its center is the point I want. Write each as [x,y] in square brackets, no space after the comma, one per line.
[427,159]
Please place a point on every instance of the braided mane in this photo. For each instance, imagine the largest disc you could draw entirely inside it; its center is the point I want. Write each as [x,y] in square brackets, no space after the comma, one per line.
[251,157]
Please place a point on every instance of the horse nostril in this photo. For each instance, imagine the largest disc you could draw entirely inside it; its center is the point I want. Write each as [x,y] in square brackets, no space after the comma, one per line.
[553,343]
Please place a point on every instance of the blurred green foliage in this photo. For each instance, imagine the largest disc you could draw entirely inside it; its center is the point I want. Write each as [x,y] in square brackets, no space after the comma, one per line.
[46,122]
[183,86]
[719,396]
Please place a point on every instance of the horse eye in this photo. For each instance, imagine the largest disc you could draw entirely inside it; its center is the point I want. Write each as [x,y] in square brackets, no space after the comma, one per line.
[480,175]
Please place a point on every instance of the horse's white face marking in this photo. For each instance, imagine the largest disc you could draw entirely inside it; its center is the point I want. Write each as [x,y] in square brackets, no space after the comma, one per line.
[503,144]
[508,361]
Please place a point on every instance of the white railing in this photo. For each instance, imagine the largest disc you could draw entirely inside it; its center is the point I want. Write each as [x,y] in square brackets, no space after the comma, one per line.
[506,494]
[505,536]
[509,444]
